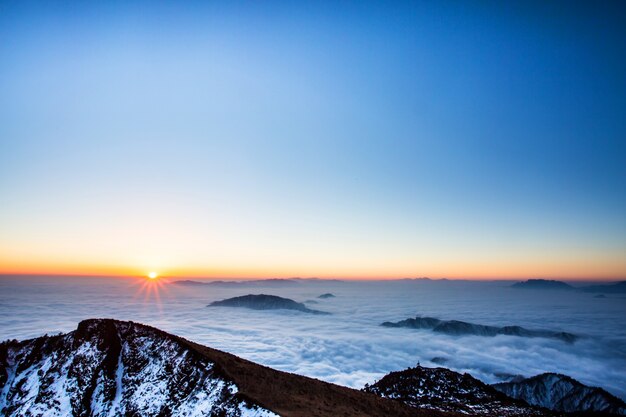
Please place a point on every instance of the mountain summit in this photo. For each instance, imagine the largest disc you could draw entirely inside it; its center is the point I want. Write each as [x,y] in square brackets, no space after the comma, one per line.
[446,390]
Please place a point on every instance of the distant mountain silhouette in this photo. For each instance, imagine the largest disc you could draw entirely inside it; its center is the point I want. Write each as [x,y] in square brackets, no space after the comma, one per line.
[460,328]
[616,288]
[562,393]
[542,284]
[273,282]
[264,302]
[190,283]
[327,295]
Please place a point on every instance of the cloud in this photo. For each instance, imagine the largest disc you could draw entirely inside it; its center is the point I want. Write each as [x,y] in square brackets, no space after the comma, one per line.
[349,347]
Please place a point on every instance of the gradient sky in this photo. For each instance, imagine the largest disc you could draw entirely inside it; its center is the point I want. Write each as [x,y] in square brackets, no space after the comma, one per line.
[339,139]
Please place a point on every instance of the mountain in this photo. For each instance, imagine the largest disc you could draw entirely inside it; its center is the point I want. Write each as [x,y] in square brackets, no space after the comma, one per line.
[114,368]
[445,390]
[264,302]
[188,282]
[460,328]
[326,295]
[616,288]
[110,368]
[542,284]
[562,393]
[271,282]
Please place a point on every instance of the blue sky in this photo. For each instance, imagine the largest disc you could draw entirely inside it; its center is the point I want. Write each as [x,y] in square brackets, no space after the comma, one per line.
[243,139]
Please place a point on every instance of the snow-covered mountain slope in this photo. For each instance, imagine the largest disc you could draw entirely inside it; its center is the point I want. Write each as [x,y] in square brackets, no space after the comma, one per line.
[562,393]
[445,390]
[108,368]
[111,368]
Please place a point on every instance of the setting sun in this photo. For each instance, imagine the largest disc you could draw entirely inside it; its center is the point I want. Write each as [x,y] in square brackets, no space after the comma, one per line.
[153,275]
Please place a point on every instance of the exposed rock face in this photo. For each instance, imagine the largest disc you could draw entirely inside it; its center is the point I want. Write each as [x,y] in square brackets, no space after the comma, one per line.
[460,328]
[108,368]
[445,390]
[264,302]
[112,368]
[562,393]
[542,284]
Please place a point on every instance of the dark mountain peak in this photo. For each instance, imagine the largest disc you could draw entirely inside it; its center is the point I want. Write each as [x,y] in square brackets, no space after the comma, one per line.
[326,295]
[446,390]
[562,393]
[460,328]
[264,302]
[542,284]
[108,367]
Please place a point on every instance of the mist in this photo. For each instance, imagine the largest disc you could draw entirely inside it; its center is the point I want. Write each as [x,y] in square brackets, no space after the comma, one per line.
[347,347]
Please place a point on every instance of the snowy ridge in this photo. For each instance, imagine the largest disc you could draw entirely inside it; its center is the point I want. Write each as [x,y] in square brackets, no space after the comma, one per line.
[107,368]
[562,393]
[445,390]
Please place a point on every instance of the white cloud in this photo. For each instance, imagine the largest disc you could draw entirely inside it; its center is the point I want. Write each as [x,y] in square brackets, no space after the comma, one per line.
[349,347]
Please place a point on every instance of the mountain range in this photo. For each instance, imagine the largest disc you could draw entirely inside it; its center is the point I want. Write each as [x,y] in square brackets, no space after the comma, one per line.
[111,368]
[459,328]
[270,282]
[108,368]
[545,284]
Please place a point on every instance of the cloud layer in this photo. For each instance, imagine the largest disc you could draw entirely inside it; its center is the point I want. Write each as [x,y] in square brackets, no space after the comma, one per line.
[348,347]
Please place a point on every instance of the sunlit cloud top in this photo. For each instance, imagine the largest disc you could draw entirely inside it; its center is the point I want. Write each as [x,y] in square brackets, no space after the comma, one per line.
[352,140]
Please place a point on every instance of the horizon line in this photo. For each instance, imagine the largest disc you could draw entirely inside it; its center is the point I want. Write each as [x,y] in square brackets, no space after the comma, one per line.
[340,278]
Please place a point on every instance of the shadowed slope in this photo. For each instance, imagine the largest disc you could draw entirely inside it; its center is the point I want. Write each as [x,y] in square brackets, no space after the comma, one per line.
[294,395]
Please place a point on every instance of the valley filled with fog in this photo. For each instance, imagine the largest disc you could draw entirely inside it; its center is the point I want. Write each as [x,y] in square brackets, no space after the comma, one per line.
[348,346]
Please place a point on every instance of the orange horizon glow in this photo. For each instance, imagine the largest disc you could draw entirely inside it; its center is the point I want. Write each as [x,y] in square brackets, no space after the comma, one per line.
[473,274]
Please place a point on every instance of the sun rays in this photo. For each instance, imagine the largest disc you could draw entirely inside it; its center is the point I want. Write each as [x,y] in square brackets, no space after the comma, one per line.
[150,289]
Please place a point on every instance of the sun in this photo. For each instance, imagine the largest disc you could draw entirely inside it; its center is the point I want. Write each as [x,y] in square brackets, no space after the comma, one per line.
[153,275]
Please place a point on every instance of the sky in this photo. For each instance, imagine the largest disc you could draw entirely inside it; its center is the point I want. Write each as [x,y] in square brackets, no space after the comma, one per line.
[328,139]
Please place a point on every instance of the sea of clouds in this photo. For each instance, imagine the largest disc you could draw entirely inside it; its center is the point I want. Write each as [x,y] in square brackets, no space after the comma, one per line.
[348,347]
